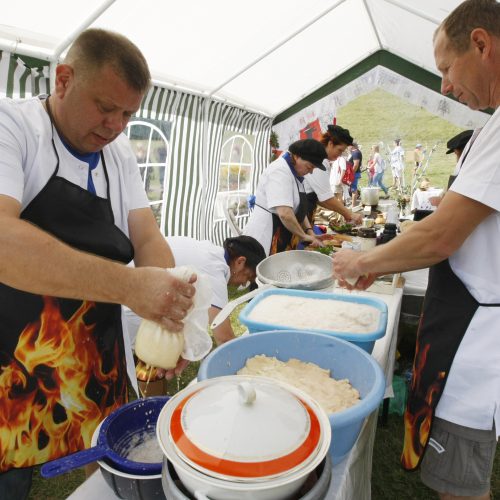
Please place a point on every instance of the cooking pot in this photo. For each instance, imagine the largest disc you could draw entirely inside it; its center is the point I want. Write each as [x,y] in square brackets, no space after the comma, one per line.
[369,196]
[243,437]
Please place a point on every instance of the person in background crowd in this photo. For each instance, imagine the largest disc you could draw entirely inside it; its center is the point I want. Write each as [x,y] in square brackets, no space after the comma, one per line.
[419,157]
[397,165]
[73,212]
[458,142]
[370,170]
[338,167]
[455,145]
[452,419]
[357,162]
[234,264]
[379,164]
[279,217]
[336,139]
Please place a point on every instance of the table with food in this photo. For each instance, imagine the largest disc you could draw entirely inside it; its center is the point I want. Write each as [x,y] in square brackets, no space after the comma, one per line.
[287,410]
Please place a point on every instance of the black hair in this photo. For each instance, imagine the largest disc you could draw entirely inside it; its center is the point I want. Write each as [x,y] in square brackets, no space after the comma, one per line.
[339,135]
[245,246]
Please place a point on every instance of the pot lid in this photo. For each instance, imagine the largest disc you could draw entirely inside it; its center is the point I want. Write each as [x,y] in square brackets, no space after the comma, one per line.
[247,428]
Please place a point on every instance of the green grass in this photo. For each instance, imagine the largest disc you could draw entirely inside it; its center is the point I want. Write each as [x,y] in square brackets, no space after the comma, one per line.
[381,117]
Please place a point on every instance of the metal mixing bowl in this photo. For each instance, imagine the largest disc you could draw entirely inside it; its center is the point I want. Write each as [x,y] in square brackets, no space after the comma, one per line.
[299,269]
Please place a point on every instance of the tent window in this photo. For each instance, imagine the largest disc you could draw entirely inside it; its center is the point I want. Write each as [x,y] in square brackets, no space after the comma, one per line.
[150,145]
[235,175]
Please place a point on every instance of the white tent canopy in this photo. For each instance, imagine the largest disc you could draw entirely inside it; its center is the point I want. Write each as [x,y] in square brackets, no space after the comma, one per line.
[263,55]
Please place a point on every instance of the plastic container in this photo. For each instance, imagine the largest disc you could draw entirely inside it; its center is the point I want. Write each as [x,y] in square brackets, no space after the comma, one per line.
[344,359]
[367,237]
[126,424]
[390,232]
[364,340]
[130,486]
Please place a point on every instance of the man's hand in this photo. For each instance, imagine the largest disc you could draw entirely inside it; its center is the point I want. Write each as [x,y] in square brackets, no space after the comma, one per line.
[313,241]
[160,297]
[347,273]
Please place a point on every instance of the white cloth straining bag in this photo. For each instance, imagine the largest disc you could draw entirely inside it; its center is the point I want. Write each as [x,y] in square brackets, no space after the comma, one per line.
[157,346]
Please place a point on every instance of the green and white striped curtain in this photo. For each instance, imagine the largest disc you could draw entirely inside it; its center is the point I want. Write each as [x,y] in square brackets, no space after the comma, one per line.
[188,200]
[19,79]
[223,118]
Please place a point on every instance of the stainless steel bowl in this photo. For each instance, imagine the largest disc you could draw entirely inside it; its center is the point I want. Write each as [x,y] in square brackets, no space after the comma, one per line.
[299,269]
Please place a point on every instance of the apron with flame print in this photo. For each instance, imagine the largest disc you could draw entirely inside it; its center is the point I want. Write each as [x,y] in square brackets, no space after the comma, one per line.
[448,310]
[62,361]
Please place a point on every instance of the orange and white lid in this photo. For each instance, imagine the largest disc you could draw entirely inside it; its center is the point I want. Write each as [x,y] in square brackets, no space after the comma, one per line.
[245,428]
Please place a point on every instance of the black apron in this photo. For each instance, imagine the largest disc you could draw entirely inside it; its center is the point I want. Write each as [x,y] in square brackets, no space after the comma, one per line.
[447,312]
[312,202]
[62,361]
[283,239]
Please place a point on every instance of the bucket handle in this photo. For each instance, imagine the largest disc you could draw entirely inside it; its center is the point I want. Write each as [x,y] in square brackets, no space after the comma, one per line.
[68,463]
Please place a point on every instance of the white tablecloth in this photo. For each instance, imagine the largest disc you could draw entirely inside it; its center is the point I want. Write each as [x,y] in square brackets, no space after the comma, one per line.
[351,478]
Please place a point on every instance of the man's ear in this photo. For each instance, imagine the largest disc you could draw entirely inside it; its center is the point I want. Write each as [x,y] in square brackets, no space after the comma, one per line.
[481,41]
[64,77]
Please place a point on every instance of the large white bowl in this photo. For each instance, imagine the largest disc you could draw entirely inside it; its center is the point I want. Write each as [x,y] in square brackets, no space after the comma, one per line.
[200,484]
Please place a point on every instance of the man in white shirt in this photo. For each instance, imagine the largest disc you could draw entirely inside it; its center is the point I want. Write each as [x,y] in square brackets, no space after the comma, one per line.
[73,212]
[453,412]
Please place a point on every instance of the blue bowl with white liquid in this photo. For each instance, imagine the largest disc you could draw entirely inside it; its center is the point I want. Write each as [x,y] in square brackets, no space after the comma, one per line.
[120,434]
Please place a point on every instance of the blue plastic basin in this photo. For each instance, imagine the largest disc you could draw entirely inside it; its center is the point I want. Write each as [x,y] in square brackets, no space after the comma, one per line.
[344,359]
[364,340]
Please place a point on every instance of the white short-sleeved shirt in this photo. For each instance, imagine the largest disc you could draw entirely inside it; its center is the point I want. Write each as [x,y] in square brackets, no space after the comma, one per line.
[208,259]
[397,158]
[472,393]
[318,181]
[277,187]
[338,167]
[28,161]
[420,199]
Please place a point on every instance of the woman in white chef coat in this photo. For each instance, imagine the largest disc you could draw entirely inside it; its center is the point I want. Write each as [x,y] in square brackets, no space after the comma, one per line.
[278,220]
[318,185]
[233,264]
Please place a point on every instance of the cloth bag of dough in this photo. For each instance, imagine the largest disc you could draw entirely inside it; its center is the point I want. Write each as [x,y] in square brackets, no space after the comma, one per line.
[159,347]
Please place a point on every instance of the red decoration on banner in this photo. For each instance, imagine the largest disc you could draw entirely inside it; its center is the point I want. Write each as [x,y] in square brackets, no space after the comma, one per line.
[311,131]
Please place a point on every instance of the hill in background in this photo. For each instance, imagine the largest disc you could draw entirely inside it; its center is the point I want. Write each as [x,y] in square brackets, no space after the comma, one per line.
[380,117]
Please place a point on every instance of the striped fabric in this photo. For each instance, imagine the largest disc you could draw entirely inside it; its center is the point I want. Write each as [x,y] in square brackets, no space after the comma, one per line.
[190,189]
[19,79]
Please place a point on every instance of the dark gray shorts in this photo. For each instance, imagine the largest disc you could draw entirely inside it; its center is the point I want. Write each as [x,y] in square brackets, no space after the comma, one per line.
[458,459]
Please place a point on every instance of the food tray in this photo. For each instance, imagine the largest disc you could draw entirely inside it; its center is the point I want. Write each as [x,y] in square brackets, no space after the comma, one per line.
[364,340]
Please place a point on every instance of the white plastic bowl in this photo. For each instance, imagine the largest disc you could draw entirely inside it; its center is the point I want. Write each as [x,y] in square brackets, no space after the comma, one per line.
[344,359]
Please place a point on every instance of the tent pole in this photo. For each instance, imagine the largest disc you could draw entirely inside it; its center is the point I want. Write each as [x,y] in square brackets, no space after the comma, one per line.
[414,12]
[83,26]
[375,30]
[204,168]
